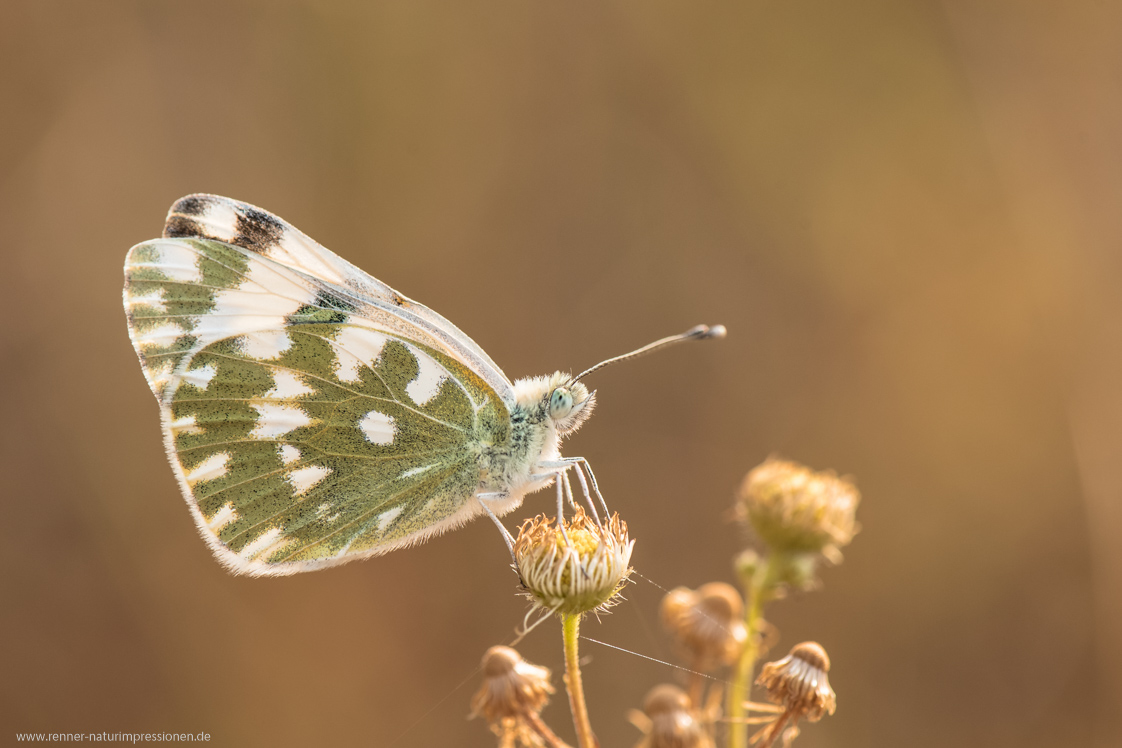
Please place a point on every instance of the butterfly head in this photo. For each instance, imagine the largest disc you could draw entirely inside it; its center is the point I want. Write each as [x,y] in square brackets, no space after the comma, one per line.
[570,405]
[567,404]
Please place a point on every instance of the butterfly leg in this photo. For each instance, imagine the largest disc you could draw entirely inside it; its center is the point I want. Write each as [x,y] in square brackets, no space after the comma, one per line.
[507,538]
[560,470]
[584,487]
[579,463]
[569,491]
[561,481]
[561,509]
[592,477]
[560,477]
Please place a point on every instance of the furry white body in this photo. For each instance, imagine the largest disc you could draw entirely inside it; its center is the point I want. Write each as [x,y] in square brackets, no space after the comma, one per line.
[522,468]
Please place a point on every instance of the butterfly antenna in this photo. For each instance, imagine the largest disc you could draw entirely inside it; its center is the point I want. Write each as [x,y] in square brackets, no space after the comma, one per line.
[701,332]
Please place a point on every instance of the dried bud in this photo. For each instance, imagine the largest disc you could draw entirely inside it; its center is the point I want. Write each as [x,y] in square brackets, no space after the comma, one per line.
[511,686]
[578,574]
[513,693]
[670,722]
[799,684]
[796,510]
[706,624]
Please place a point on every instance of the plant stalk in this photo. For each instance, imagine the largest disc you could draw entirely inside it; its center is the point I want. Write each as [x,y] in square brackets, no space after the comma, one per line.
[549,738]
[697,686]
[754,592]
[570,628]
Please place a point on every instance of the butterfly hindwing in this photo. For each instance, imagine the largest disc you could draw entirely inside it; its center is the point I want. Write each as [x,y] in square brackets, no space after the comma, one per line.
[307,424]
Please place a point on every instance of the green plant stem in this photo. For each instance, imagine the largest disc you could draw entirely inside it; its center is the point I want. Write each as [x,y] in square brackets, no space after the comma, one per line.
[570,628]
[754,592]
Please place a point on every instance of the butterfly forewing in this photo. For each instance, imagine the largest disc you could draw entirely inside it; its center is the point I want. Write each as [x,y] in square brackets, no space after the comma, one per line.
[259,232]
[307,425]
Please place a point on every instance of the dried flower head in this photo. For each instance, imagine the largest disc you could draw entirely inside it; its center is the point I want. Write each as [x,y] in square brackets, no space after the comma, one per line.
[800,681]
[799,684]
[512,695]
[576,570]
[511,686]
[706,624]
[670,722]
[796,510]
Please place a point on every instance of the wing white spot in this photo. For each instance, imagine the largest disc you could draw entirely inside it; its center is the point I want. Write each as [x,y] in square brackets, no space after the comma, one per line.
[160,336]
[304,478]
[378,427]
[266,544]
[158,376]
[155,300]
[209,469]
[265,345]
[430,375]
[287,385]
[359,348]
[256,308]
[387,517]
[416,471]
[222,517]
[199,377]
[177,262]
[322,510]
[288,454]
[277,420]
[185,425]
[222,219]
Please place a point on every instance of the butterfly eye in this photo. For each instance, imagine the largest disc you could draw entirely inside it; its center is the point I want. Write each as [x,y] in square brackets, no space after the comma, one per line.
[560,403]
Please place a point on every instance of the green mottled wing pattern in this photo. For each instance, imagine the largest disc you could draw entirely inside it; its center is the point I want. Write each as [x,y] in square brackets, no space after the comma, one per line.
[309,421]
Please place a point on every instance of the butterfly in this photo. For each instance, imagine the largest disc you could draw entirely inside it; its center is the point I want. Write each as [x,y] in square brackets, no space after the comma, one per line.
[313,415]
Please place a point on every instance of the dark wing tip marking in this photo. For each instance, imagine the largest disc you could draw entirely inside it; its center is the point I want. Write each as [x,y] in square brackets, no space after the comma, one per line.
[181,218]
[192,205]
[181,226]
[222,219]
[257,230]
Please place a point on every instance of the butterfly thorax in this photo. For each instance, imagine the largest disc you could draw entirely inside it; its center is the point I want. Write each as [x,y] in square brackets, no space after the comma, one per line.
[544,409]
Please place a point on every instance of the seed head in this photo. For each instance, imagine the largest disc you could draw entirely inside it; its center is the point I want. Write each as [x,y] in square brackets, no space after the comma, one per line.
[577,575]
[511,686]
[706,623]
[511,697]
[796,510]
[799,682]
[670,722]
[799,685]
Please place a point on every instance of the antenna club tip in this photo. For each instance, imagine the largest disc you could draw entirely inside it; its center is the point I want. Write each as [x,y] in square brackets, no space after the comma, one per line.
[705,332]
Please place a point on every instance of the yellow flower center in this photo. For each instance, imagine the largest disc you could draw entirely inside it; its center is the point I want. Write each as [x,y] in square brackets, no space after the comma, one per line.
[585,542]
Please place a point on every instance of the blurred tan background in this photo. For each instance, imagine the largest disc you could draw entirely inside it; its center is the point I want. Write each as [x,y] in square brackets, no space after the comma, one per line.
[907,214]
